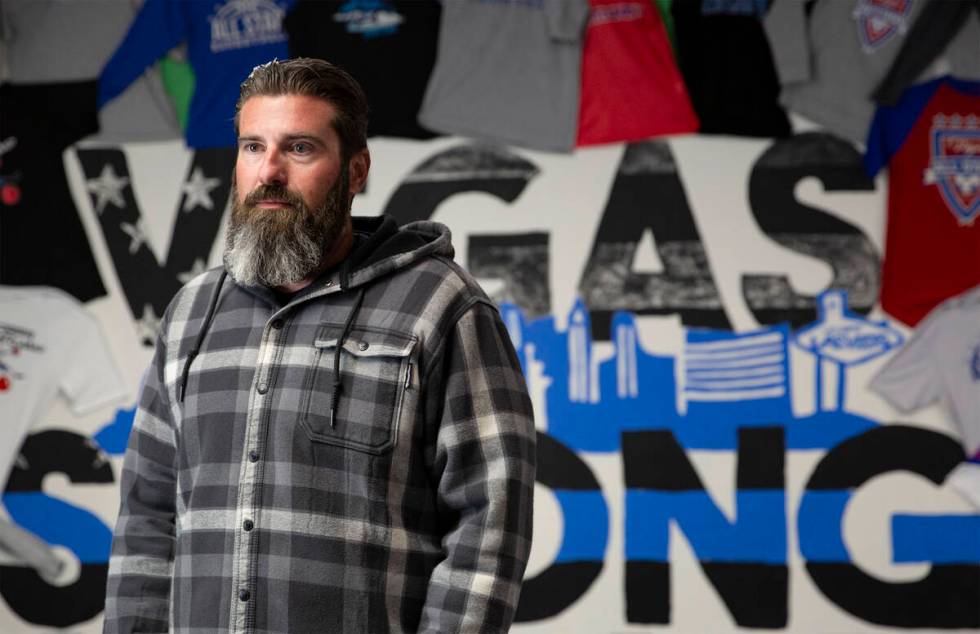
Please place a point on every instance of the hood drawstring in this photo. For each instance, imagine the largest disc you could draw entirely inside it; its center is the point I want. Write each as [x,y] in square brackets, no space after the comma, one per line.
[337,385]
[208,317]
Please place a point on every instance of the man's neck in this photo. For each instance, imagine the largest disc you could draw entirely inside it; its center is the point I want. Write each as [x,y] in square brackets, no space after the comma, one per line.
[336,255]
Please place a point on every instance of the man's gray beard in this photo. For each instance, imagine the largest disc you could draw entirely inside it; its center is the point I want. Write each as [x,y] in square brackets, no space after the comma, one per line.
[282,246]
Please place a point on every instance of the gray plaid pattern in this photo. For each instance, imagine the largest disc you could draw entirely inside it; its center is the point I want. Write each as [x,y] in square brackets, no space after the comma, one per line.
[244,510]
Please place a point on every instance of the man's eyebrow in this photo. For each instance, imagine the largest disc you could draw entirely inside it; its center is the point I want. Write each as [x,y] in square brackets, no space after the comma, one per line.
[295,136]
[304,136]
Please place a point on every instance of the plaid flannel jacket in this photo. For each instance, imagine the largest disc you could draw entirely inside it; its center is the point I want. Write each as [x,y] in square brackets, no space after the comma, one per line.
[254,500]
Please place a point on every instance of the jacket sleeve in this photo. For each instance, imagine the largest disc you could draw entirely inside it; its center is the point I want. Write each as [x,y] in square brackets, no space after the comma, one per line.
[159,26]
[141,563]
[484,469]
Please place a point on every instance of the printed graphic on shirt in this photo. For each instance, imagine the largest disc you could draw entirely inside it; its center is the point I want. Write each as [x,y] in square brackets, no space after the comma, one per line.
[619,12]
[879,20]
[13,342]
[954,164]
[370,18]
[244,23]
[755,8]
[9,183]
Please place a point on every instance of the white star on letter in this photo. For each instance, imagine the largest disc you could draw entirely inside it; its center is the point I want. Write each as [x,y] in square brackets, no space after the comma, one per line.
[148,324]
[107,189]
[136,233]
[198,191]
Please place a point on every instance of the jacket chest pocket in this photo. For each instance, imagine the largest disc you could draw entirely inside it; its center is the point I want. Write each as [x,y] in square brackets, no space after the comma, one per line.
[375,371]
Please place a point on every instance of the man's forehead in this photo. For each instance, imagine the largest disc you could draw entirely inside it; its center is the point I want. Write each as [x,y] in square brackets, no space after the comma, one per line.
[286,115]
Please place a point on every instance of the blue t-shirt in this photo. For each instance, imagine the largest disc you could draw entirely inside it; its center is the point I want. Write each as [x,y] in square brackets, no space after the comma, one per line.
[225,41]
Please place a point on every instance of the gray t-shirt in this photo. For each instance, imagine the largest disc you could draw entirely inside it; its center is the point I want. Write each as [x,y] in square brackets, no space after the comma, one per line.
[830,61]
[508,71]
[53,41]
[942,362]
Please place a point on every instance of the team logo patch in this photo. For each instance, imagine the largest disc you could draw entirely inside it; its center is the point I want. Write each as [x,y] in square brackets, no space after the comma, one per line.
[954,164]
[878,20]
[244,23]
[370,18]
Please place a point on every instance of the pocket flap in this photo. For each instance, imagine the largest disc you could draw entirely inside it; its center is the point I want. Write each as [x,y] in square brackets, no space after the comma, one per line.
[365,343]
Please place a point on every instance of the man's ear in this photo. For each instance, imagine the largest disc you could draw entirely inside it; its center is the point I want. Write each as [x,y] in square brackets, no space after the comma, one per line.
[358,167]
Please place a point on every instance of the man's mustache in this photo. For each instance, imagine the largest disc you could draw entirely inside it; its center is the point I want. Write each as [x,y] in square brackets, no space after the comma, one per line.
[274,192]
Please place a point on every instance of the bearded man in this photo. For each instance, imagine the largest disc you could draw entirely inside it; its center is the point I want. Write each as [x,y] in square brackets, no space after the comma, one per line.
[334,434]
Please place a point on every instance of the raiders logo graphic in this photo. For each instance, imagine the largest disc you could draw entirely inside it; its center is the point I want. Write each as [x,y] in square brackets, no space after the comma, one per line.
[954,164]
[879,20]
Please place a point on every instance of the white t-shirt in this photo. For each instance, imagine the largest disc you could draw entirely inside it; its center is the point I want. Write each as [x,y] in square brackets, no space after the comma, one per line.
[49,344]
[942,361]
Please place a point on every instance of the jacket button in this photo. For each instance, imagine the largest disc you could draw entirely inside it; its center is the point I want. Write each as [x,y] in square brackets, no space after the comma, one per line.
[363,345]
[253,456]
[248,525]
[263,388]
[277,324]
[243,595]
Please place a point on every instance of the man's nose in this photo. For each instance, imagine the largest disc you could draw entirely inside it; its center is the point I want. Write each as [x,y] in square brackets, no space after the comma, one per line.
[272,171]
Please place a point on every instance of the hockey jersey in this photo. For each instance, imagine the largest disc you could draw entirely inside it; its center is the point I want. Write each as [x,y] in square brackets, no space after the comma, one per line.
[930,142]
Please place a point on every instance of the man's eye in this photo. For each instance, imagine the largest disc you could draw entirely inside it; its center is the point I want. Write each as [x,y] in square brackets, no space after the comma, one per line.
[302,148]
[251,147]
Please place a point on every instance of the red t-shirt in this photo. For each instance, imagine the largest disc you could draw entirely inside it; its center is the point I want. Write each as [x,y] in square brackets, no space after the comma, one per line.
[631,87]
[930,142]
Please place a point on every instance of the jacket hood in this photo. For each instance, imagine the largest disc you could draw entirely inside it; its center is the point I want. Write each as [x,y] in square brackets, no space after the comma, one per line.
[383,247]
[388,247]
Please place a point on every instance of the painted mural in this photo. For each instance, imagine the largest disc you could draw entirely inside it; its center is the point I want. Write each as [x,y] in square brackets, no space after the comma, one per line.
[698,322]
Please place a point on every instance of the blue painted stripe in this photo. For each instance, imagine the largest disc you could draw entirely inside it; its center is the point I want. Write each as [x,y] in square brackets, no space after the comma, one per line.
[758,535]
[586,526]
[940,539]
[820,526]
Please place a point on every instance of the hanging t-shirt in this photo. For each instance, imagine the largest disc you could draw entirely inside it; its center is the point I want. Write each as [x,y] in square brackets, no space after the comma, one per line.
[631,88]
[42,240]
[942,362]
[725,59]
[56,41]
[939,24]
[49,345]
[930,142]
[225,41]
[831,58]
[388,46]
[508,71]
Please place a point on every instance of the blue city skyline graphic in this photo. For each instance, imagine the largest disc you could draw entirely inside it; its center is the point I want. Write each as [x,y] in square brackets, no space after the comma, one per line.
[721,382]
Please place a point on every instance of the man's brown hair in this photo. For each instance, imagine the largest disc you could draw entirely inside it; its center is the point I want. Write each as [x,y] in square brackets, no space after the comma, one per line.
[314,78]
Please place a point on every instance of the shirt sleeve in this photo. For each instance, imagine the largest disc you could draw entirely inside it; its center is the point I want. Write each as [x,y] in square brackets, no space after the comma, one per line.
[785,25]
[141,563]
[484,469]
[90,379]
[159,26]
[910,379]
[567,19]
